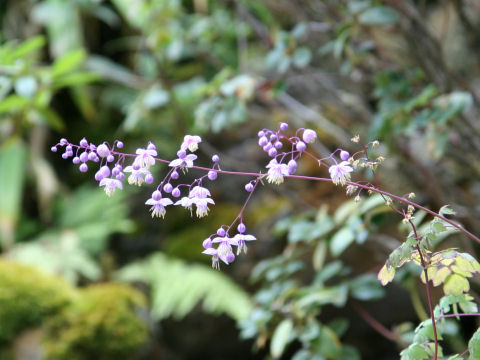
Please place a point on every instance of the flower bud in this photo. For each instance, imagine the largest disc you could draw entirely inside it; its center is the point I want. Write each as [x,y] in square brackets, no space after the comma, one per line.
[103,150]
[309,136]
[344,155]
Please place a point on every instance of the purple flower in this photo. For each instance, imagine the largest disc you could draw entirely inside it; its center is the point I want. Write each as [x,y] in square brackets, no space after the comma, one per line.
[110,185]
[186,202]
[224,250]
[200,197]
[240,239]
[309,136]
[276,172]
[340,173]
[185,161]
[344,155]
[191,142]
[136,176]
[214,254]
[145,157]
[158,204]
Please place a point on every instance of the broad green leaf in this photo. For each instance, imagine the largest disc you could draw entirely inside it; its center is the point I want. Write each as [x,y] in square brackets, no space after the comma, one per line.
[282,336]
[13,103]
[386,274]
[327,344]
[446,210]
[76,78]
[456,285]
[366,287]
[341,240]
[378,15]
[474,346]
[28,46]
[68,62]
[336,295]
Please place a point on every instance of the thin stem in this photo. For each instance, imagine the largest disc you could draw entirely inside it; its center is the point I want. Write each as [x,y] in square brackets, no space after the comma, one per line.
[377,326]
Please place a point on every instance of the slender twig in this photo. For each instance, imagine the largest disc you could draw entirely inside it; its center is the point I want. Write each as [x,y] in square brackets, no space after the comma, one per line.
[374,323]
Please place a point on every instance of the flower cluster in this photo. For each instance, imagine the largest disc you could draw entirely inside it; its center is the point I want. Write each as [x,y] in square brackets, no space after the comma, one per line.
[284,151]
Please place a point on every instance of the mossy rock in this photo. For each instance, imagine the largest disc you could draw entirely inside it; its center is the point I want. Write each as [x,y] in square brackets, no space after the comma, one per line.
[27,297]
[103,323]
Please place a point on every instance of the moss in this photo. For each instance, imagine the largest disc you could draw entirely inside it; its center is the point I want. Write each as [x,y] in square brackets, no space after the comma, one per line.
[102,324]
[27,297]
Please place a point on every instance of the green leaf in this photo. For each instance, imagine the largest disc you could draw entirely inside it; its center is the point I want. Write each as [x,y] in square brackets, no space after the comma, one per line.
[319,255]
[341,240]
[68,62]
[366,287]
[336,295]
[77,78]
[13,103]
[474,346]
[327,343]
[446,210]
[456,285]
[386,274]
[281,337]
[28,46]
[378,15]
[302,57]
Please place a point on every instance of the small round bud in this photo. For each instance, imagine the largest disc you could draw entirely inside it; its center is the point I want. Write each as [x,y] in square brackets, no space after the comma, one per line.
[221,232]
[98,175]
[230,257]
[103,150]
[181,154]
[92,156]
[215,158]
[168,188]
[249,187]
[273,137]
[120,176]
[149,179]
[110,158]
[83,142]
[176,192]
[207,243]
[68,148]
[83,167]
[136,166]
[115,171]
[93,147]
[267,147]
[212,175]
[156,195]
[300,146]
[261,133]
[53,149]
[151,146]
[292,167]
[65,155]
[105,171]
[344,155]
[309,136]
[241,228]
[278,145]
[76,160]
[262,141]
[272,152]
[283,126]
[63,141]
[96,159]
[119,144]
[174,175]
[84,156]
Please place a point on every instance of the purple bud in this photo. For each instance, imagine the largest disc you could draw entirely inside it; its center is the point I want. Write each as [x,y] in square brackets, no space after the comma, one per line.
[149,179]
[309,136]
[174,175]
[120,176]
[103,150]
[136,166]
[83,142]
[84,156]
[212,175]
[96,158]
[76,160]
[176,192]
[207,243]
[272,152]
[119,167]
[273,137]
[69,153]
[83,167]
[168,188]
[261,133]
[110,158]
[53,149]
[93,147]
[221,232]
[115,171]
[249,187]
[344,155]
[292,167]
[215,158]
[92,156]
[68,148]
[181,154]
[119,144]
[151,146]
[267,147]
[99,175]
[105,171]
[278,145]
[65,155]
[63,141]
[156,195]
[262,141]
[230,257]
[300,146]
[241,228]
[283,126]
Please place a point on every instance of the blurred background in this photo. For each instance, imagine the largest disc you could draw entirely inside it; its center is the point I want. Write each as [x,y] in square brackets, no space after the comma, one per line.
[83,276]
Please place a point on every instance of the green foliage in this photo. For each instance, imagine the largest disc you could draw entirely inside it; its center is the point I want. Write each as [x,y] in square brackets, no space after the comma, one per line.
[103,320]
[27,298]
[177,287]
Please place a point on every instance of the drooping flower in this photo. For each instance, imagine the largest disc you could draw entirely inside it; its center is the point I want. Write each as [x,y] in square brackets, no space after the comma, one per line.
[191,142]
[145,157]
[184,160]
[224,250]
[214,254]
[276,172]
[200,196]
[110,185]
[158,204]
[340,173]
[136,174]
[240,239]
[186,202]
